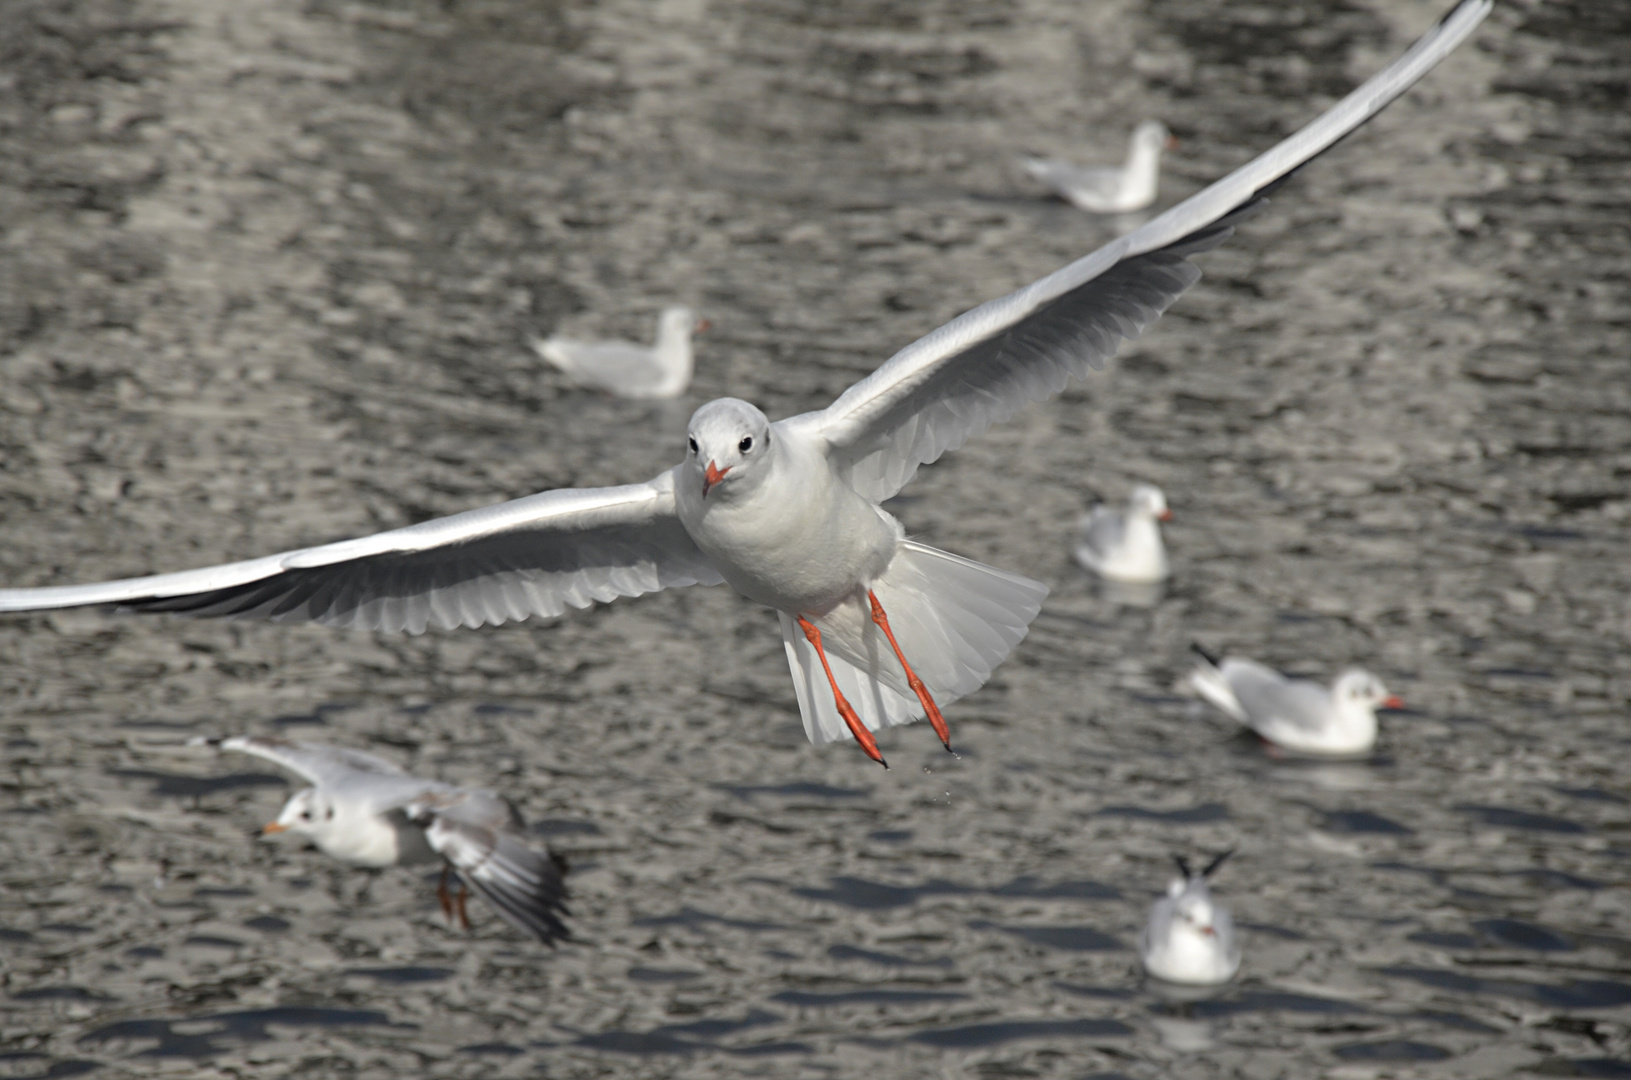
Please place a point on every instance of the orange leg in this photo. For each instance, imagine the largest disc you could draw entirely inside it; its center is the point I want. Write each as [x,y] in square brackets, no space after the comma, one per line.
[912,680]
[856,728]
[443,896]
[458,904]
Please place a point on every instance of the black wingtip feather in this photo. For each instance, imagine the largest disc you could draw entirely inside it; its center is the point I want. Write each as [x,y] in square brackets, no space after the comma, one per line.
[1212,866]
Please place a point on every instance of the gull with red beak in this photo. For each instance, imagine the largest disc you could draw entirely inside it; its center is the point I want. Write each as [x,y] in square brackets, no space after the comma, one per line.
[1295,714]
[1190,938]
[364,810]
[1127,547]
[879,630]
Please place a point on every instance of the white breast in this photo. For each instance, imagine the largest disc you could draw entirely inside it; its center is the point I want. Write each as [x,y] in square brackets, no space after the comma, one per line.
[371,839]
[801,541]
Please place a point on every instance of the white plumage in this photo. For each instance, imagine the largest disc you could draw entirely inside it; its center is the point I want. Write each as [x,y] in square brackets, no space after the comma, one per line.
[1295,714]
[1104,189]
[795,521]
[362,809]
[1127,546]
[1190,937]
[659,370]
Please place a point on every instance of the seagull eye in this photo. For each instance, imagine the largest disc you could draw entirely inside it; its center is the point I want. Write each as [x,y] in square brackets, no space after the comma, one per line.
[330,814]
[305,815]
[693,443]
[746,444]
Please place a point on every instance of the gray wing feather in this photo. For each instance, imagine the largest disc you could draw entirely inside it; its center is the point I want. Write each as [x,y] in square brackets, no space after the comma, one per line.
[533,556]
[524,885]
[316,764]
[1157,928]
[984,365]
[1103,530]
[611,365]
[1266,695]
[1066,179]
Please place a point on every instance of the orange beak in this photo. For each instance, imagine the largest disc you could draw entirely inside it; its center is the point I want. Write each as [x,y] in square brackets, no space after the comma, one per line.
[1171,143]
[702,325]
[1394,701]
[1208,931]
[715,475]
[273,829]
[1166,515]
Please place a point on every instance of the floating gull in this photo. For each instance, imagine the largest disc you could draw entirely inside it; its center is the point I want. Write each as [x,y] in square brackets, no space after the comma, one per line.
[1295,714]
[1126,547]
[1105,189]
[788,513]
[1190,938]
[623,368]
[363,809]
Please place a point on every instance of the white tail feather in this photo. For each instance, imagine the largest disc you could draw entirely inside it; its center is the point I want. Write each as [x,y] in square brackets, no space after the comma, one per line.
[955,620]
[557,352]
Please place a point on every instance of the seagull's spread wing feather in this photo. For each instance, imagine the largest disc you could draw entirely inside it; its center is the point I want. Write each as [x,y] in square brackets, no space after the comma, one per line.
[981,367]
[532,556]
[324,766]
[472,830]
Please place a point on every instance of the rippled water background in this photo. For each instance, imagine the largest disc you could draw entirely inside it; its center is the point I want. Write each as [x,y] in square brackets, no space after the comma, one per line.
[267,274]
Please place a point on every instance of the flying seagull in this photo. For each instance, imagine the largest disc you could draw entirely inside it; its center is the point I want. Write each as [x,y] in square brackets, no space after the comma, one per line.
[879,630]
[362,809]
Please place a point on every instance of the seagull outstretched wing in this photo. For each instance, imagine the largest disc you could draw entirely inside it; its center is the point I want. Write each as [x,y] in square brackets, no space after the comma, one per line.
[537,555]
[943,389]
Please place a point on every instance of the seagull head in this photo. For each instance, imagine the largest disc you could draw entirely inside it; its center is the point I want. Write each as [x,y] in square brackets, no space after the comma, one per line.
[307,813]
[1148,500]
[1358,687]
[1152,135]
[679,321]
[1194,909]
[727,443]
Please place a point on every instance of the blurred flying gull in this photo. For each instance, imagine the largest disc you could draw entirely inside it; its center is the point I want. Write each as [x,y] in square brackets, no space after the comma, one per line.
[362,809]
[788,513]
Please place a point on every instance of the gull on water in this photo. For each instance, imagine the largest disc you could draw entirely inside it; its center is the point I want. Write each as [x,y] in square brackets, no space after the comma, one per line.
[1294,714]
[1127,547]
[878,629]
[623,368]
[362,809]
[1111,189]
[1190,938]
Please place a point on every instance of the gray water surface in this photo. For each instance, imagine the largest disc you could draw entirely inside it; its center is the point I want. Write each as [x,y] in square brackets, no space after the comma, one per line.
[267,277]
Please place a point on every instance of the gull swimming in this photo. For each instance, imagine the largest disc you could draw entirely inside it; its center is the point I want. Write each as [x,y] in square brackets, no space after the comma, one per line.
[362,809]
[1295,714]
[662,370]
[1106,189]
[879,630]
[1127,547]
[1190,938]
